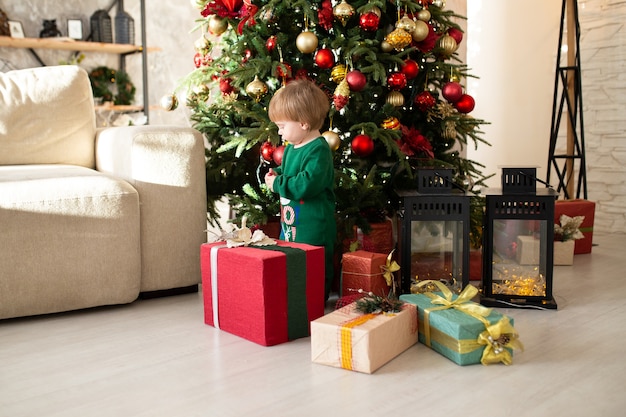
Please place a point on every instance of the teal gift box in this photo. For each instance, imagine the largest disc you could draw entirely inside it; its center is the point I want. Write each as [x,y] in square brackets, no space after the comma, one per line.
[461,330]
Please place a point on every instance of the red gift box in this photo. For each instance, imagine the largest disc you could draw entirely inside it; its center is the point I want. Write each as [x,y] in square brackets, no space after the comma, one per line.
[266,294]
[361,270]
[575,208]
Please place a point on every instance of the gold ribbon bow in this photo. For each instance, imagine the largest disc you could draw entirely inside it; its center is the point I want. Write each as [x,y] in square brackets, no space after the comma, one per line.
[389,268]
[497,338]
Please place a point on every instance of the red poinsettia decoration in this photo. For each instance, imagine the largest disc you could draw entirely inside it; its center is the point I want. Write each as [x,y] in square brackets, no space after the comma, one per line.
[325,15]
[222,8]
[413,143]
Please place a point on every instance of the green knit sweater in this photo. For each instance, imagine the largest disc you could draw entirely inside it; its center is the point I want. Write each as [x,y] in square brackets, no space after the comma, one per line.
[305,182]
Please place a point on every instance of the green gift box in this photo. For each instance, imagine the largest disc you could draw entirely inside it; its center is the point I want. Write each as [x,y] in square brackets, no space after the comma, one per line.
[461,330]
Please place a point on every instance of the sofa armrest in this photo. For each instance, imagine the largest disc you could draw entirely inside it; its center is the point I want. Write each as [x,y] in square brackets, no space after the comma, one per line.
[166,166]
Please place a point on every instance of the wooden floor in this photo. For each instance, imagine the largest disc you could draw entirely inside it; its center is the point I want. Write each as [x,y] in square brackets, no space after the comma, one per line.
[157,358]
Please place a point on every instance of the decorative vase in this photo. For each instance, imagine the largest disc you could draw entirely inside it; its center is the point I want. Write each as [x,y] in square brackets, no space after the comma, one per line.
[101,27]
[124,26]
[564,252]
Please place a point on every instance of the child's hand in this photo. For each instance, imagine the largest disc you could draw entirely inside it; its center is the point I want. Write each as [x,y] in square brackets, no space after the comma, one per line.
[269,179]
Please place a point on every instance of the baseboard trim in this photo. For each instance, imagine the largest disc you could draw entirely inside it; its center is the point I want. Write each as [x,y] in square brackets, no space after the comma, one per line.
[169,292]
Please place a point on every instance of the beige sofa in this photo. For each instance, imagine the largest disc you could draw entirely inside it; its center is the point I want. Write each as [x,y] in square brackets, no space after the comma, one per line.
[91,217]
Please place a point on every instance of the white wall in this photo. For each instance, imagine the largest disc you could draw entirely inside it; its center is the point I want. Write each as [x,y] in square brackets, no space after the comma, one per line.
[512,47]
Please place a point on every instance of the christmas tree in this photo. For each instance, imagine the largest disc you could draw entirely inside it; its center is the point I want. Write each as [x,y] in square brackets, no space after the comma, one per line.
[390,69]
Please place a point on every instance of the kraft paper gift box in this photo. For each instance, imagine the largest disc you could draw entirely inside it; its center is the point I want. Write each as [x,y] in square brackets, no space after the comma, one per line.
[459,336]
[362,270]
[528,250]
[361,342]
[578,207]
[266,294]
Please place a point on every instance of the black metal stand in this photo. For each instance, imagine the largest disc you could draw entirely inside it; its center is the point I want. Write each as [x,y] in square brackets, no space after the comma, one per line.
[568,77]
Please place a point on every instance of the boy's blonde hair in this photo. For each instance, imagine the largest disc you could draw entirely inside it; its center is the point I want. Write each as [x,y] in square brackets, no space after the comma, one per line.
[300,101]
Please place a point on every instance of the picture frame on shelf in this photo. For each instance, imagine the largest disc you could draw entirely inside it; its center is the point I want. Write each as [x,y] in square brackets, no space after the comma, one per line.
[75,29]
[16,29]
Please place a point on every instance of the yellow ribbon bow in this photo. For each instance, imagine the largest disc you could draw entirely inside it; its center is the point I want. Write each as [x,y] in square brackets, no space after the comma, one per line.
[389,268]
[498,338]
[462,302]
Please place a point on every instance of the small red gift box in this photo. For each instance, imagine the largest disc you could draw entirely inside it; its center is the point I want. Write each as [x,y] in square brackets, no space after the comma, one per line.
[266,294]
[361,270]
[575,208]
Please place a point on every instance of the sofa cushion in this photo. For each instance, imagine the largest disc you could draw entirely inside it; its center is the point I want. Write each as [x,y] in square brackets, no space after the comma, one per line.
[70,240]
[47,117]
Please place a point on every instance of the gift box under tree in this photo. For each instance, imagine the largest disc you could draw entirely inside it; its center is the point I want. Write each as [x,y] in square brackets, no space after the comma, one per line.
[461,330]
[574,208]
[266,294]
[362,342]
[362,270]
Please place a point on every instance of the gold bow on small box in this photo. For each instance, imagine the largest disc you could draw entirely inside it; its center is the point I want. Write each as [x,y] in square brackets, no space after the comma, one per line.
[498,338]
[388,269]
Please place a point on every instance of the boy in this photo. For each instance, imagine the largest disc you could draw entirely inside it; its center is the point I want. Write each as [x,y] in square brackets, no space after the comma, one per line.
[305,180]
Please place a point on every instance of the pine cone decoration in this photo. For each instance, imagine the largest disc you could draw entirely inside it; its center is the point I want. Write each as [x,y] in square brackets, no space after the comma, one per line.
[341,95]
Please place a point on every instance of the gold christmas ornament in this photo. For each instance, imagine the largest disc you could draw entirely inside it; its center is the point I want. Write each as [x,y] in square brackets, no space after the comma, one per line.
[338,73]
[439,3]
[169,102]
[420,32]
[202,45]
[256,89]
[333,139]
[424,15]
[449,130]
[343,12]
[399,39]
[306,42]
[395,98]
[217,25]
[385,46]
[391,123]
[406,24]
[447,44]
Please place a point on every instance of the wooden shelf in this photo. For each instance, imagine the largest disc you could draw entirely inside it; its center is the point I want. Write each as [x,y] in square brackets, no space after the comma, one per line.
[68,44]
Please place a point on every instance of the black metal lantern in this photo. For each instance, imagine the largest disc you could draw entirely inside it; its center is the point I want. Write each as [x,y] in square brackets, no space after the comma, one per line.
[101,27]
[434,231]
[518,242]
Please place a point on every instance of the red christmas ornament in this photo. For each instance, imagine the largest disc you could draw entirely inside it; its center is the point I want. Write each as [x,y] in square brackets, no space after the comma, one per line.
[456,34]
[410,69]
[465,104]
[198,58]
[356,80]
[277,156]
[369,21]
[362,145]
[396,81]
[425,101]
[225,86]
[324,58]
[270,43]
[452,91]
[283,70]
[267,151]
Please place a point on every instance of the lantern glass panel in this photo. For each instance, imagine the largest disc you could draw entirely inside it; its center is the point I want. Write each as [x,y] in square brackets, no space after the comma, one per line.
[437,251]
[519,264]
